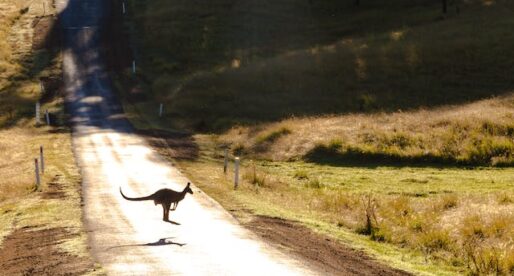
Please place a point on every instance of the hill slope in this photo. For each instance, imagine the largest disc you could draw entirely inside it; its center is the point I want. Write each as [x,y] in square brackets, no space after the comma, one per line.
[226,63]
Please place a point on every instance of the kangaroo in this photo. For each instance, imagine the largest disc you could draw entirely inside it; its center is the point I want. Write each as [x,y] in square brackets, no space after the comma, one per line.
[165,197]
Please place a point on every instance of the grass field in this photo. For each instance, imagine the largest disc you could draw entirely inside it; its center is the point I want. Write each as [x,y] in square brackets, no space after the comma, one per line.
[441,221]
[25,60]
[389,125]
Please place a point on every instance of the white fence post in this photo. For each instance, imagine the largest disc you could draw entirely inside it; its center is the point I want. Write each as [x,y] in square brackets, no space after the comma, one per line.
[123,7]
[38,109]
[161,107]
[47,116]
[38,180]
[236,173]
[42,158]
[133,66]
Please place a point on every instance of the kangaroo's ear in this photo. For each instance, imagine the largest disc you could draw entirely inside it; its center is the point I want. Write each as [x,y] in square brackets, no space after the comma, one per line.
[188,184]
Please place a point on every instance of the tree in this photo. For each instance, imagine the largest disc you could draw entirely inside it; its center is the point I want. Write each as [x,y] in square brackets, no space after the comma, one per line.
[445,6]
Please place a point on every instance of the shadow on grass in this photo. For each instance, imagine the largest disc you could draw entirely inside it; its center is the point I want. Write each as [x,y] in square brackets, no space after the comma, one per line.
[225,63]
[351,157]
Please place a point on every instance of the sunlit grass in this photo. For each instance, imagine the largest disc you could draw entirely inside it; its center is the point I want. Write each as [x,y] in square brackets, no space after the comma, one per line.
[405,115]
[420,216]
[480,133]
[20,138]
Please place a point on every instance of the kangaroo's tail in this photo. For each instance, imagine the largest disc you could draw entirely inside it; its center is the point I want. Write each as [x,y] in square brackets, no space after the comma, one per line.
[150,197]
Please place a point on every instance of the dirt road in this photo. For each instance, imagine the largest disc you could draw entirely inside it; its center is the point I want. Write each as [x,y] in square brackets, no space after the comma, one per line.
[130,238]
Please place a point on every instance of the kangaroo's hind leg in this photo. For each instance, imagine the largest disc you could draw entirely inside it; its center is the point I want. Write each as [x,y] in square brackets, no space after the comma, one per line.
[164,212]
[167,206]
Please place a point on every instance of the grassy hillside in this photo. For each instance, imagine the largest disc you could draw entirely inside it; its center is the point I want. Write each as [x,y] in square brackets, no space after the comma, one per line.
[228,62]
[376,124]
[477,133]
[50,216]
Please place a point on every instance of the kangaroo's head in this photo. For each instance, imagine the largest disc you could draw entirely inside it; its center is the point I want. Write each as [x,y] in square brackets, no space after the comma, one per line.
[188,188]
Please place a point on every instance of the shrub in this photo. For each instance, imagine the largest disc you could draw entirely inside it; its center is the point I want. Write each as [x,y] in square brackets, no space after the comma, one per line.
[495,129]
[24,10]
[370,226]
[314,184]
[482,259]
[301,174]
[434,240]
[255,178]
[335,145]
[449,201]
[238,149]
[400,206]
[504,199]
[485,150]
[472,227]
[273,135]
[400,140]
[508,262]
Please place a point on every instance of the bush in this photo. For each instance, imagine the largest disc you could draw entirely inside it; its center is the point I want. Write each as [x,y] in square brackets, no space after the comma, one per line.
[255,178]
[314,184]
[486,150]
[435,240]
[301,175]
[273,135]
[504,199]
[449,201]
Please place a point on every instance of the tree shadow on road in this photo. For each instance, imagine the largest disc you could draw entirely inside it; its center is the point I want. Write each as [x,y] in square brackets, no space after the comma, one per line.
[160,242]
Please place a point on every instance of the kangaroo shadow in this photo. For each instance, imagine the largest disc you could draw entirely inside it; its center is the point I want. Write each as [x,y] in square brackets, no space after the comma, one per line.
[160,242]
[172,222]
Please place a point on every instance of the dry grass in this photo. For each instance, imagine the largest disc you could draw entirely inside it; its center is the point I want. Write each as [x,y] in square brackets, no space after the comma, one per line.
[17,164]
[286,78]
[456,229]
[20,139]
[476,133]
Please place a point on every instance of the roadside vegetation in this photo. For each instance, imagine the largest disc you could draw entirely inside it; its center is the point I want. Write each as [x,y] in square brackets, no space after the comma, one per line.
[438,220]
[26,58]
[389,126]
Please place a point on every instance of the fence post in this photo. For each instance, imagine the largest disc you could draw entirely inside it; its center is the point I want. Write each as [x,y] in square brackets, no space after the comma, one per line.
[38,109]
[38,180]
[161,107]
[42,158]
[133,66]
[236,173]
[225,162]
[47,116]
[123,7]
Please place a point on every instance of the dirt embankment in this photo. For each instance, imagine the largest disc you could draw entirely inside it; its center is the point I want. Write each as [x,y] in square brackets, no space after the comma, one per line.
[30,251]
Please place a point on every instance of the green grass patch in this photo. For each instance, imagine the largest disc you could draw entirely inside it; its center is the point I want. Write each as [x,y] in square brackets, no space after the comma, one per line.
[417,215]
